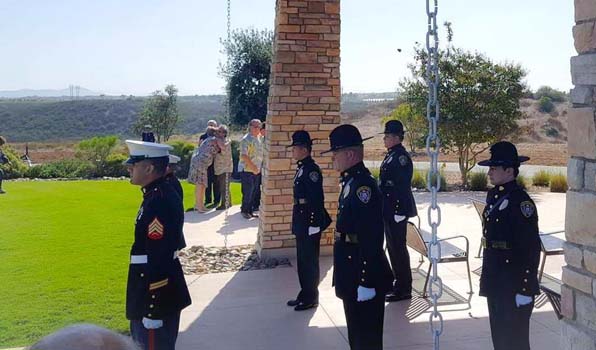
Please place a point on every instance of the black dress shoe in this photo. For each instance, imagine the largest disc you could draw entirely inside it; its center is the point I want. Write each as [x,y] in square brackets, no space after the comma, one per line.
[391,297]
[254,215]
[293,302]
[303,306]
[246,216]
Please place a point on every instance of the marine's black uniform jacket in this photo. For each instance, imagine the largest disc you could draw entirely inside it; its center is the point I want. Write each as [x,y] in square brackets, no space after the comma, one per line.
[359,259]
[156,285]
[173,181]
[511,241]
[309,199]
[396,183]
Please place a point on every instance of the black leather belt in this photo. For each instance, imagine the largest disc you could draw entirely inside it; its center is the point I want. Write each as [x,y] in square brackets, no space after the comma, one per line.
[348,238]
[502,245]
[300,201]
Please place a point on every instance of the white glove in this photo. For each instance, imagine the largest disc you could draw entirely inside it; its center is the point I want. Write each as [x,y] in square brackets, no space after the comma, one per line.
[365,294]
[399,218]
[313,230]
[152,324]
[521,300]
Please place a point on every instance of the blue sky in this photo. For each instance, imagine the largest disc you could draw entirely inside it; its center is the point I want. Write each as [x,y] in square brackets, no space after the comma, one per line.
[138,46]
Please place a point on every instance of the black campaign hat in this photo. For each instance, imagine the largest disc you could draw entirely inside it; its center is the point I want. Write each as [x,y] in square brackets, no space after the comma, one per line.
[503,153]
[393,127]
[301,138]
[343,136]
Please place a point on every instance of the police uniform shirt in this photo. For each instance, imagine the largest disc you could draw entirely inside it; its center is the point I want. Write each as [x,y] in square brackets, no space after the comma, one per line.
[309,209]
[359,259]
[156,285]
[512,242]
[395,181]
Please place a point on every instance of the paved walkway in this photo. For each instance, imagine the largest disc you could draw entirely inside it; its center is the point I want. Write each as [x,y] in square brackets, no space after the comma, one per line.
[246,310]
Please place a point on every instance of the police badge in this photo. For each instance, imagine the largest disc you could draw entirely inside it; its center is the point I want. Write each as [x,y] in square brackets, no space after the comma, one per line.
[314,176]
[364,194]
[403,160]
[527,209]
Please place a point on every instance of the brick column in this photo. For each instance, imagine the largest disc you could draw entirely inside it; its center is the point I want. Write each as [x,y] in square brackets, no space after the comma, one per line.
[579,275]
[304,95]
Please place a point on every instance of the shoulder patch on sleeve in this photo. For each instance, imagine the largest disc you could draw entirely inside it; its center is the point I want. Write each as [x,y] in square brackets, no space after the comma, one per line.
[364,193]
[527,208]
[403,160]
[314,176]
[155,230]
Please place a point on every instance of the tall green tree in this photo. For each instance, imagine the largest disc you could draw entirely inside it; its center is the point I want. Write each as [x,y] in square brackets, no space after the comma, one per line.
[479,101]
[414,123]
[247,71]
[161,112]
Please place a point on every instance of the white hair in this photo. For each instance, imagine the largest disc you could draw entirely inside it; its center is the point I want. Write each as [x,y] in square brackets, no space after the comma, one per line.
[85,337]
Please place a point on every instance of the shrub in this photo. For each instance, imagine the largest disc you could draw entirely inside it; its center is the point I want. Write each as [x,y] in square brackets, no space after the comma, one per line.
[96,151]
[375,172]
[522,181]
[558,183]
[545,104]
[184,151]
[68,168]
[114,166]
[16,168]
[433,180]
[541,178]
[418,179]
[553,94]
[478,181]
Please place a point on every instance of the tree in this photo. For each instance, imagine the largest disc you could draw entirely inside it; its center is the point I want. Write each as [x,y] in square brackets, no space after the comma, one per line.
[247,71]
[479,101]
[97,151]
[414,123]
[161,112]
[554,94]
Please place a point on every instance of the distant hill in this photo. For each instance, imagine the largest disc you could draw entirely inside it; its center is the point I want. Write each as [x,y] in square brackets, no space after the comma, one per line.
[46,93]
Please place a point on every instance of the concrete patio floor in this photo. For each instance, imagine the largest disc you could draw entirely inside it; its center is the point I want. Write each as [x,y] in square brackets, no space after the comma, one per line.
[247,309]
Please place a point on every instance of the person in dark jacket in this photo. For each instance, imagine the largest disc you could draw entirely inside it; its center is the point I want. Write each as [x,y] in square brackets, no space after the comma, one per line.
[511,251]
[309,220]
[147,135]
[3,160]
[398,205]
[156,291]
[361,272]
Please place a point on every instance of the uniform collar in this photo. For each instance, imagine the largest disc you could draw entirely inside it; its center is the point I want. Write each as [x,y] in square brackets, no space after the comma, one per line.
[357,169]
[505,188]
[396,147]
[306,160]
[153,186]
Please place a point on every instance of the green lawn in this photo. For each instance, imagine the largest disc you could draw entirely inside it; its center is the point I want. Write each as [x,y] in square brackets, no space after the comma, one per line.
[64,255]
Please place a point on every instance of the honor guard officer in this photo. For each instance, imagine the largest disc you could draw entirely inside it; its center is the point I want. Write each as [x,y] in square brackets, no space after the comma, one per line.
[361,272]
[156,290]
[147,135]
[511,251]
[309,219]
[398,205]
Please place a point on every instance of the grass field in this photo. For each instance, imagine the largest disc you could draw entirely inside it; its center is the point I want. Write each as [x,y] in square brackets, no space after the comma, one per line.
[64,250]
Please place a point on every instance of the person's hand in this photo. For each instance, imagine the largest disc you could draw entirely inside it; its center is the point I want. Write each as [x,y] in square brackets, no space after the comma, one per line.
[521,300]
[365,294]
[398,218]
[152,324]
[313,230]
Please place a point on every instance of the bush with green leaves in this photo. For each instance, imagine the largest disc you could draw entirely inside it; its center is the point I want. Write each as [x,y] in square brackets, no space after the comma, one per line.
[67,168]
[115,166]
[558,183]
[433,181]
[541,178]
[96,151]
[554,94]
[522,181]
[478,181]
[418,180]
[184,151]
[16,168]
[546,105]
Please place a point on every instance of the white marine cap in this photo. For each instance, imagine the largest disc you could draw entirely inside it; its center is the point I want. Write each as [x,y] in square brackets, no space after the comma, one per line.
[174,159]
[141,150]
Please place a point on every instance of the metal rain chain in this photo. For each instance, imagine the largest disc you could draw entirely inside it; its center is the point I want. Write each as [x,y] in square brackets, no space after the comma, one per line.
[433,145]
[227,188]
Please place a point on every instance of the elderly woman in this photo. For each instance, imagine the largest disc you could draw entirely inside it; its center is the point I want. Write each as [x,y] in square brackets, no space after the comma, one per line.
[223,167]
[201,159]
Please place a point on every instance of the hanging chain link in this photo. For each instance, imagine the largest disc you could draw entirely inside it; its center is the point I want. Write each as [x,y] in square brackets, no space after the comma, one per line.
[433,145]
[227,201]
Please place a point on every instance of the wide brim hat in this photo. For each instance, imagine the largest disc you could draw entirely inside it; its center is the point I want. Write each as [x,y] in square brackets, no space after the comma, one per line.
[503,153]
[141,150]
[344,136]
[300,138]
[393,127]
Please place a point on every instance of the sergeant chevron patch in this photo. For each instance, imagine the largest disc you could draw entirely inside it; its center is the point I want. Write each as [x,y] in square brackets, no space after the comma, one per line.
[155,230]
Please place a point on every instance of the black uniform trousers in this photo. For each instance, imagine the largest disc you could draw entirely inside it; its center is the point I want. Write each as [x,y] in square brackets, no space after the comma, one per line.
[211,188]
[307,256]
[509,325]
[163,338]
[365,323]
[395,235]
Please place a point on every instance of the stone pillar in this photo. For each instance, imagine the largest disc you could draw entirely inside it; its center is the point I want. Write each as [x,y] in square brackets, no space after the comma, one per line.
[305,94]
[578,293]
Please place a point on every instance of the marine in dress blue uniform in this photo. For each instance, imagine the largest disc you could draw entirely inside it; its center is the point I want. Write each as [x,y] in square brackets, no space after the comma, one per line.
[361,272]
[309,220]
[395,181]
[173,181]
[511,251]
[156,288]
